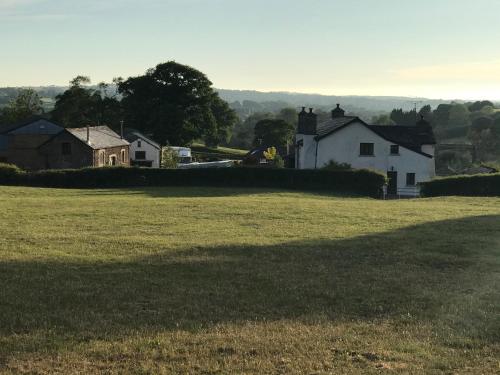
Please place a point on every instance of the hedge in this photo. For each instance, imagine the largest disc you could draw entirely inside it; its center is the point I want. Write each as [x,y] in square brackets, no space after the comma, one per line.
[10,174]
[360,182]
[476,185]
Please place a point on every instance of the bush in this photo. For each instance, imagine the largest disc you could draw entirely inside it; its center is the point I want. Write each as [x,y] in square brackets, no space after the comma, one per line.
[11,174]
[477,185]
[361,182]
[334,166]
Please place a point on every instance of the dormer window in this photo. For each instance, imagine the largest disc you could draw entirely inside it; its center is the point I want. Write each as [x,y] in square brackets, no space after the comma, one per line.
[394,149]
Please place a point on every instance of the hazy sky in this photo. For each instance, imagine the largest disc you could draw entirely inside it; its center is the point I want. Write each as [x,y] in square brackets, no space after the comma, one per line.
[432,48]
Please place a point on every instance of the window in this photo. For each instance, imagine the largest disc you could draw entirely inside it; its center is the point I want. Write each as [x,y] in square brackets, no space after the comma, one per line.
[123,156]
[101,158]
[394,149]
[366,149]
[139,143]
[66,148]
[410,179]
[140,155]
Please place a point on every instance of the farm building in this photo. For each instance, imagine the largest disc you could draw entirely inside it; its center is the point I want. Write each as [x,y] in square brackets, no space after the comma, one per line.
[144,152]
[19,142]
[96,146]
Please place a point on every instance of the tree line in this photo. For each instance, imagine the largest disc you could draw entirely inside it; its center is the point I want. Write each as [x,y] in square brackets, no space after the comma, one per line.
[476,123]
[173,103]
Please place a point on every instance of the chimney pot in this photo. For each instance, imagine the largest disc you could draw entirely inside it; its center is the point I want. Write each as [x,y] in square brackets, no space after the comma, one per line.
[310,110]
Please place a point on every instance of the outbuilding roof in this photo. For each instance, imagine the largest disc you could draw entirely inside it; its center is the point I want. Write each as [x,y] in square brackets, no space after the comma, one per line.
[99,137]
[132,135]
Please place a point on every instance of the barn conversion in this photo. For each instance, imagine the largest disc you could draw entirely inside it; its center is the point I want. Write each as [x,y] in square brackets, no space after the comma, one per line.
[41,144]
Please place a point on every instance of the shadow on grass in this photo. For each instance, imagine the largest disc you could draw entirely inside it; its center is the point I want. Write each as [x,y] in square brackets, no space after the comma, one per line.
[423,273]
[202,192]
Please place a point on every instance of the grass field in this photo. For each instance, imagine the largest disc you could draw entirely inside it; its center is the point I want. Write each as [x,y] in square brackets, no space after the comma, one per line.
[218,281]
[203,151]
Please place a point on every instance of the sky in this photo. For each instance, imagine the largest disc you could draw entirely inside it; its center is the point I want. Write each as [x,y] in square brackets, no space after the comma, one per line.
[448,49]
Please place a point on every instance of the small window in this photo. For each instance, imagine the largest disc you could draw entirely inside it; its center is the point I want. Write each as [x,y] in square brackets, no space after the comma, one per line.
[66,148]
[394,149]
[123,156]
[366,149]
[139,143]
[140,155]
[410,179]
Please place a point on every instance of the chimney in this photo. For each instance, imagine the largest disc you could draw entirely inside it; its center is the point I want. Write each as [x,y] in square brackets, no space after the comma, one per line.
[88,134]
[307,122]
[338,112]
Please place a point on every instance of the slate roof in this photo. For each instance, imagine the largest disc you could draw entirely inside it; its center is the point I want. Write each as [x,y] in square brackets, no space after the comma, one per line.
[410,137]
[327,127]
[6,128]
[132,135]
[100,137]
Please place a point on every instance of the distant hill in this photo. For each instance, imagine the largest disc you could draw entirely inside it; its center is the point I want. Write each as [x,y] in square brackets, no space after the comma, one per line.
[369,103]
[247,102]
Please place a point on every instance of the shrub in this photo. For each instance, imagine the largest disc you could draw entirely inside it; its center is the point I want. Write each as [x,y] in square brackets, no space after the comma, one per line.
[11,174]
[334,166]
[477,185]
[360,182]
[169,158]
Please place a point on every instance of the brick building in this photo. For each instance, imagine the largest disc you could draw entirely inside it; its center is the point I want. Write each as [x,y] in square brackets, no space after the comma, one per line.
[41,144]
[96,146]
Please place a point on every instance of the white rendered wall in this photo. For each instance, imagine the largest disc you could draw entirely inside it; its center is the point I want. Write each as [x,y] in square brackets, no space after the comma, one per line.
[343,147]
[152,153]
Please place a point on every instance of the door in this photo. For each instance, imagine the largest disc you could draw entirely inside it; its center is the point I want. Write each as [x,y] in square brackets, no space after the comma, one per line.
[392,188]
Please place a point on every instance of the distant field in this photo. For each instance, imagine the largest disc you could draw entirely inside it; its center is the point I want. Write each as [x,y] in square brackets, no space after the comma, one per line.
[217,281]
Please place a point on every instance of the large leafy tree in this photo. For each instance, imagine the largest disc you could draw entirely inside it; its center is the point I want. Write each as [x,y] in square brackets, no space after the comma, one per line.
[243,134]
[225,120]
[273,133]
[25,105]
[176,104]
[83,105]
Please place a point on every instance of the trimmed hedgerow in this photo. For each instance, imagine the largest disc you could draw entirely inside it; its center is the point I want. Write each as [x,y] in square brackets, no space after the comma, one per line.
[11,175]
[476,185]
[361,182]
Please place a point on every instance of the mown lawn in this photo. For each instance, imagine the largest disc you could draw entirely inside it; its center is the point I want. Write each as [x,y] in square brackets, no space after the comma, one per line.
[211,281]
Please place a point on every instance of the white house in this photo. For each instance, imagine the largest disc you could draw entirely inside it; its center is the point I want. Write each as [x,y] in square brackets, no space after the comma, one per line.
[144,152]
[404,153]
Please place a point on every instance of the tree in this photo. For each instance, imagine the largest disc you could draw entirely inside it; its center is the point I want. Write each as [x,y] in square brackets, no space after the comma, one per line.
[479,105]
[243,134]
[382,120]
[289,115]
[225,120]
[459,116]
[426,111]
[485,136]
[441,115]
[175,103]
[27,104]
[400,117]
[81,105]
[272,132]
